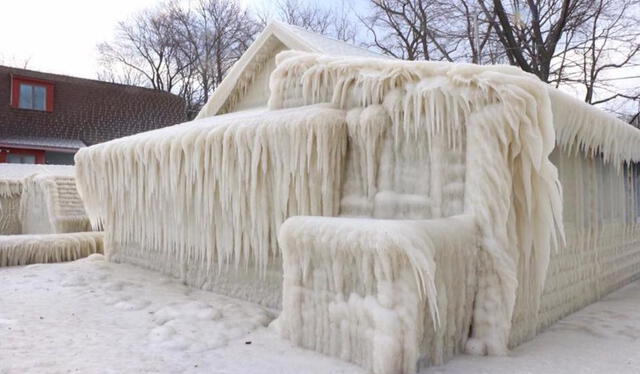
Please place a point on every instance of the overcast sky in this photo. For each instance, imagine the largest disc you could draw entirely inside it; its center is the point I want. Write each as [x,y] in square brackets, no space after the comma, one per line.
[60,36]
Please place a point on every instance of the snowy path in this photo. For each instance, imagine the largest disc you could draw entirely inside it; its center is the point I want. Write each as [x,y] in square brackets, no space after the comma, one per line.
[91,316]
[603,338]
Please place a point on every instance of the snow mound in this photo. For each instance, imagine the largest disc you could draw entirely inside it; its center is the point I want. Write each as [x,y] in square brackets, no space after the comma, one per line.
[199,326]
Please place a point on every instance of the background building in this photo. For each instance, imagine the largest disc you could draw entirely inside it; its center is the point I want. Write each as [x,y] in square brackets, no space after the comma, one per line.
[46,118]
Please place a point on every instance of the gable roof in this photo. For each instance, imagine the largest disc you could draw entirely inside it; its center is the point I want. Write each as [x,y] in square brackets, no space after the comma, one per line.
[86,111]
[241,74]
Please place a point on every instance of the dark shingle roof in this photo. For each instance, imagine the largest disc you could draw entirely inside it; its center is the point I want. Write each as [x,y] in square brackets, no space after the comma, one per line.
[38,142]
[87,110]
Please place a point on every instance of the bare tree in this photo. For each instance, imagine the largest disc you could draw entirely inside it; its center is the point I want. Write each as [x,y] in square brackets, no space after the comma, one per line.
[179,47]
[607,41]
[564,42]
[14,61]
[408,29]
[530,31]
[112,71]
[146,45]
[214,34]
[336,20]
[432,30]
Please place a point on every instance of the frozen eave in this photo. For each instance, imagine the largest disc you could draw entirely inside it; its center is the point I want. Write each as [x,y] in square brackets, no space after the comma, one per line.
[583,127]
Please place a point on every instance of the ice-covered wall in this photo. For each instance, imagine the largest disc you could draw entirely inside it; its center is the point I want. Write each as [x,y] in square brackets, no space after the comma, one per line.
[204,200]
[508,122]
[18,250]
[602,225]
[252,89]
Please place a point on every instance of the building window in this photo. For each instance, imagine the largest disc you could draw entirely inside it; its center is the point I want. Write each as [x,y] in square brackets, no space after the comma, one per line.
[17,158]
[32,97]
[33,94]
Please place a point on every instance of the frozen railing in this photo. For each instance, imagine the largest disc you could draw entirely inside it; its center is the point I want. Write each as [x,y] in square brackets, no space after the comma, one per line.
[389,295]
[33,249]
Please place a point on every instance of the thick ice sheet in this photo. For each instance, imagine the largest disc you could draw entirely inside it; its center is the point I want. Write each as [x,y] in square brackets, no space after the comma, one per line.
[384,139]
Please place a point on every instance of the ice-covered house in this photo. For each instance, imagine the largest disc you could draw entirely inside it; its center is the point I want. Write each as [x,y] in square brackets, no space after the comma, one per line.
[395,212]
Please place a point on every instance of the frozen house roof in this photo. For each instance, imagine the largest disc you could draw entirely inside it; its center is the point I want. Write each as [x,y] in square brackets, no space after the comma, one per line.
[259,60]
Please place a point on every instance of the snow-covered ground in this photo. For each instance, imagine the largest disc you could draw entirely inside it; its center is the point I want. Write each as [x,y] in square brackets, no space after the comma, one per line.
[91,316]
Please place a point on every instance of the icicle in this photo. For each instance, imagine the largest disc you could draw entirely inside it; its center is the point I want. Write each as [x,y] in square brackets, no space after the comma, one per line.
[217,194]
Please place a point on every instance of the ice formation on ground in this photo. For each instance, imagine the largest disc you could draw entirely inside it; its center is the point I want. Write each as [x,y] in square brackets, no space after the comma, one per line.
[35,249]
[433,167]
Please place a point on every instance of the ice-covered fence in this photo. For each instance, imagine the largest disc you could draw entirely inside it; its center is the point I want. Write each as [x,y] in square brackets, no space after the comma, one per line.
[10,190]
[203,200]
[389,295]
[33,249]
[39,199]
[51,204]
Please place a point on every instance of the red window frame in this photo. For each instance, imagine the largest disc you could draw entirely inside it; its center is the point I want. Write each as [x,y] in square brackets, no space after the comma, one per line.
[16,81]
[39,154]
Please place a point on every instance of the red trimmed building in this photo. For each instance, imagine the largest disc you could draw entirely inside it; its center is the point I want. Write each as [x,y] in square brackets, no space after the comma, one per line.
[46,118]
